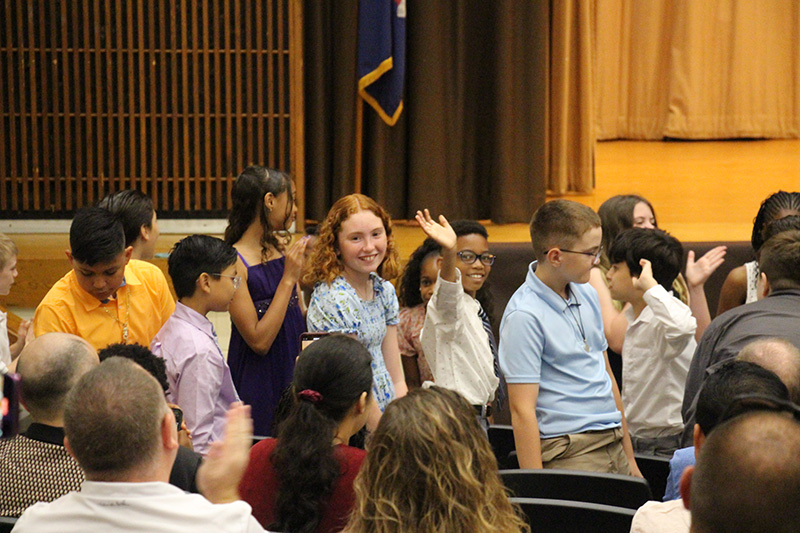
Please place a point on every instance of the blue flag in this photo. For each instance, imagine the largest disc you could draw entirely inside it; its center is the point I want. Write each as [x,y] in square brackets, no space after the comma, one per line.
[382,56]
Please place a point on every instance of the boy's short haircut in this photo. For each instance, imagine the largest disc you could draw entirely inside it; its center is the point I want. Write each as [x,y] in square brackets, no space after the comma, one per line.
[734,378]
[469,227]
[664,252]
[195,255]
[142,356]
[560,223]
[134,209]
[780,260]
[96,236]
[7,250]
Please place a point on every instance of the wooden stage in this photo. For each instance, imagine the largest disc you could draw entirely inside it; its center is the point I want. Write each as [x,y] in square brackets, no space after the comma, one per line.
[702,191]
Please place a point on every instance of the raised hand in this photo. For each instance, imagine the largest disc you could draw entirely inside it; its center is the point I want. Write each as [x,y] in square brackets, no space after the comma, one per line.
[698,272]
[440,231]
[644,281]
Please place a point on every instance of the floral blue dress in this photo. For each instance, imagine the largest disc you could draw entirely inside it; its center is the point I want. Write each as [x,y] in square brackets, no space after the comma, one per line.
[337,307]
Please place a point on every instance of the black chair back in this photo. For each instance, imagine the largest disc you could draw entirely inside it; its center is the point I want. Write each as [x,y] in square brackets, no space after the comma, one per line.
[656,471]
[574,517]
[502,440]
[7,524]
[574,485]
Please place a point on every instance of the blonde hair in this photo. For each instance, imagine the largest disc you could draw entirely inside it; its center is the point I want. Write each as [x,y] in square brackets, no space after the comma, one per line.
[560,223]
[324,263]
[7,250]
[429,467]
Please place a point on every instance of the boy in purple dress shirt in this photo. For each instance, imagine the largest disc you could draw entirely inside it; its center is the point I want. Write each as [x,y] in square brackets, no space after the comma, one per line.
[203,272]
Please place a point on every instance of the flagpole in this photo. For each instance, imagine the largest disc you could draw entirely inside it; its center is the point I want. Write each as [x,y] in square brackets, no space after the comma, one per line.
[359,141]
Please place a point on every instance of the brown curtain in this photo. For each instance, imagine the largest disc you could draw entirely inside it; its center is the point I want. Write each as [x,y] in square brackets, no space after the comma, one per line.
[471,141]
[697,70]
[571,140]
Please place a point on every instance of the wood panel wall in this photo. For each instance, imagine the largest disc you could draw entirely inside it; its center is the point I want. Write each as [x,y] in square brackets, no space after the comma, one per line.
[172,97]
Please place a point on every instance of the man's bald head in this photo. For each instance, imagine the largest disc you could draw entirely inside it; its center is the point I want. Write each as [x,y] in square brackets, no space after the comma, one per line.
[747,477]
[781,357]
[50,366]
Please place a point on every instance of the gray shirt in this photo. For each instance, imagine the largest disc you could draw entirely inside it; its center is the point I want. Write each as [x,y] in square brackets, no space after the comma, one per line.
[778,315]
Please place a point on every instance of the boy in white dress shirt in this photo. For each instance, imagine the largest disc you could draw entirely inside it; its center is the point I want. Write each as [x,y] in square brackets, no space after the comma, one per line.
[456,337]
[659,342]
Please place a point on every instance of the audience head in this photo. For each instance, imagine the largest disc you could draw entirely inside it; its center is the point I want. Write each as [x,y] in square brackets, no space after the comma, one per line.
[747,477]
[774,207]
[779,356]
[354,222]
[664,252]
[117,423]
[787,223]
[420,274]
[202,262]
[429,467]
[331,387]
[625,211]
[142,356]
[8,264]
[734,378]
[265,196]
[779,263]
[50,365]
[97,251]
[560,223]
[135,210]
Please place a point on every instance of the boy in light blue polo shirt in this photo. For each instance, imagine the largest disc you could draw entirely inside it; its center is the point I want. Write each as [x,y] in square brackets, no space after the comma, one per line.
[566,409]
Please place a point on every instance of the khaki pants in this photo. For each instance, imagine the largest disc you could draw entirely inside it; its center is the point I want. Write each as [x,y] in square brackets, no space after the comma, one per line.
[593,451]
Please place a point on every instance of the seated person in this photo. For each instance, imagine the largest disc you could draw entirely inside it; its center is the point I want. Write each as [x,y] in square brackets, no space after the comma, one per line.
[747,478]
[123,434]
[731,380]
[35,466]
[303,480]
[106,297]
[429,467]
[659,342]
[566,409]
[775,314]
[203,272]
[776,355]
[139,221]
[187,462]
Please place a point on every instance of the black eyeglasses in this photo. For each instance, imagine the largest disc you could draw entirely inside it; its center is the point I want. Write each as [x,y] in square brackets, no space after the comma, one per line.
[747,403]
[594,255]
[470,257]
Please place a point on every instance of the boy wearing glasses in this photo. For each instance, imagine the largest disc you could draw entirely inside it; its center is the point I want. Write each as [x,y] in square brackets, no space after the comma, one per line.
[457,336]
[659,342]
[203,272]
[566,409]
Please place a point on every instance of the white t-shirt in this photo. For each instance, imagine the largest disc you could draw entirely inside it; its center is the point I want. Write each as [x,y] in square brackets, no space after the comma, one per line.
[154,507]
[5,350]
[662,517]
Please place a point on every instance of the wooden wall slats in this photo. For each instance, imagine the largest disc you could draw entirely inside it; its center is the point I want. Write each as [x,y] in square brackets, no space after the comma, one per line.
[170,97]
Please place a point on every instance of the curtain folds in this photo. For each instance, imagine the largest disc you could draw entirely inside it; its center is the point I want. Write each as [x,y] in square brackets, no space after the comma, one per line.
[697,70]
[471,140]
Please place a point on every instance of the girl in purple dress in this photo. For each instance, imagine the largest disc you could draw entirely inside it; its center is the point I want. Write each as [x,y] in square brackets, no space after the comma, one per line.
[266,313]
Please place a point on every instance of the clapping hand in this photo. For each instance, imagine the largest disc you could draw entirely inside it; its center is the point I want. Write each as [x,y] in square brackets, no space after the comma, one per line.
[698,272]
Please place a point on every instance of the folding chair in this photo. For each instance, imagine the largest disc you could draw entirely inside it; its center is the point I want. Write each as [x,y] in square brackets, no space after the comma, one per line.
[655,470]
[574,517]
[574,485]
[502,440]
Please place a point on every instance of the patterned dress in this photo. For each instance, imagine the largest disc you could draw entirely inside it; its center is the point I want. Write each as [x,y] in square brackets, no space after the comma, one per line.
[337,307]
